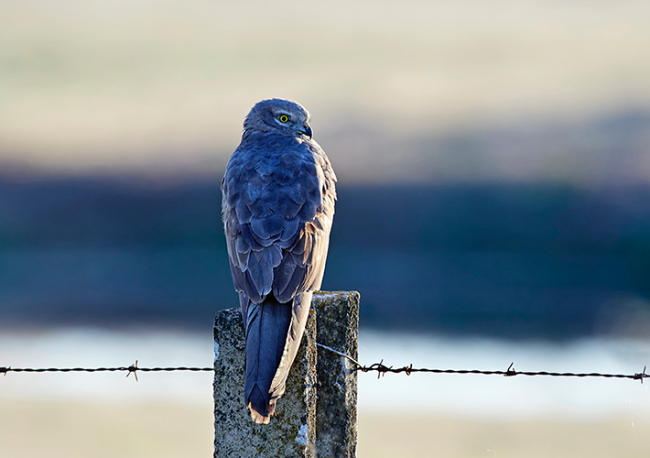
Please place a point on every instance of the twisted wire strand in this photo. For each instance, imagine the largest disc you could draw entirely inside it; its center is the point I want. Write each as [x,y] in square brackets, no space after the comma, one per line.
[104,369]
[382,369]
[133,368]
[379,367]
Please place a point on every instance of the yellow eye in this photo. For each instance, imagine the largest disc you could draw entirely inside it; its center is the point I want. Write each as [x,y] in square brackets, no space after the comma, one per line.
[284,118]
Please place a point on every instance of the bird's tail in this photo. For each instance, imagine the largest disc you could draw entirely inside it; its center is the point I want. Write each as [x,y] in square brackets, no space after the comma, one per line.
[273,335]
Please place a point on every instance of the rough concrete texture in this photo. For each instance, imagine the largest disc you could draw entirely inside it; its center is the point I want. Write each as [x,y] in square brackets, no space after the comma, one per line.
[317,415]
[337,323]
[292,431]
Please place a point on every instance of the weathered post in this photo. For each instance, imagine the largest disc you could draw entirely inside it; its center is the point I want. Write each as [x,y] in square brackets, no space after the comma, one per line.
[337,326]
[292,431]
[316,417]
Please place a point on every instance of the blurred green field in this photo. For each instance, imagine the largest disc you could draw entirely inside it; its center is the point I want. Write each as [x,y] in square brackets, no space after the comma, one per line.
[58,429]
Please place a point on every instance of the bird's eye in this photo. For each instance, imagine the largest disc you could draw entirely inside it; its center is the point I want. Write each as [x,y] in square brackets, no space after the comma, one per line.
[284,118]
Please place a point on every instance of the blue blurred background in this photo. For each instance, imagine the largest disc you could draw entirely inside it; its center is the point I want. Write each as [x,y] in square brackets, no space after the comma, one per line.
[511,260]
[494,183]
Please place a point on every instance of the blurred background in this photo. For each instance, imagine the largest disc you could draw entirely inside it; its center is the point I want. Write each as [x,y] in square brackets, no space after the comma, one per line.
[494,206]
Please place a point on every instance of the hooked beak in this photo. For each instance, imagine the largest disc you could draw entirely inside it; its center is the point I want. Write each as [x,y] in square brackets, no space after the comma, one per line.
[306,129]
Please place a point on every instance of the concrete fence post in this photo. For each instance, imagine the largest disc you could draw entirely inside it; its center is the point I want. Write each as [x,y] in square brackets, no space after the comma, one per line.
[317,415]
[337,326]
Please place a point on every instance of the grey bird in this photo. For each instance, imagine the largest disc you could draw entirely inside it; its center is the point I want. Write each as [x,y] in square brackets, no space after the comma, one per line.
[277,208]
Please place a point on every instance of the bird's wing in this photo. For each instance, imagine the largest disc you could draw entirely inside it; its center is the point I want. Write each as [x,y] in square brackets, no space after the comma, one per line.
[278,212]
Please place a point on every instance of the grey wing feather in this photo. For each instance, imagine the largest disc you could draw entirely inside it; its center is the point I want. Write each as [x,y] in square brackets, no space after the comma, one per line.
[278,231]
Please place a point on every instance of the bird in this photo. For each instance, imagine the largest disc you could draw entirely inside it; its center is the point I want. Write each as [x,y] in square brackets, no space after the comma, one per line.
[278,197]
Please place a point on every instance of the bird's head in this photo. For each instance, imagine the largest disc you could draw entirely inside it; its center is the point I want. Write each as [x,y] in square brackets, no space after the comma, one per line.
[278,115]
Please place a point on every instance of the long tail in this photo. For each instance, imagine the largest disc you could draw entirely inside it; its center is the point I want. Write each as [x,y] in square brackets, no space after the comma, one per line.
[273,335]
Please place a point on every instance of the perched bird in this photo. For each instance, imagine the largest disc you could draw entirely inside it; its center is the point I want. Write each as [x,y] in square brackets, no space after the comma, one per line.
[277,208]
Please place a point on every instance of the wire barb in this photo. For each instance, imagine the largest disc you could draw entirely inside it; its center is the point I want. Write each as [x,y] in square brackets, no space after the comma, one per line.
[133,368]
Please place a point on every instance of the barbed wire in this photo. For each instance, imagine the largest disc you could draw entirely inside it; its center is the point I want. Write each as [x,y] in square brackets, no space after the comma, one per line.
[132,369]
[379,367]
[382,369]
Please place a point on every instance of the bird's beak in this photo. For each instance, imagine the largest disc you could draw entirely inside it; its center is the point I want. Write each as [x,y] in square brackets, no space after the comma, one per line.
[306,129]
